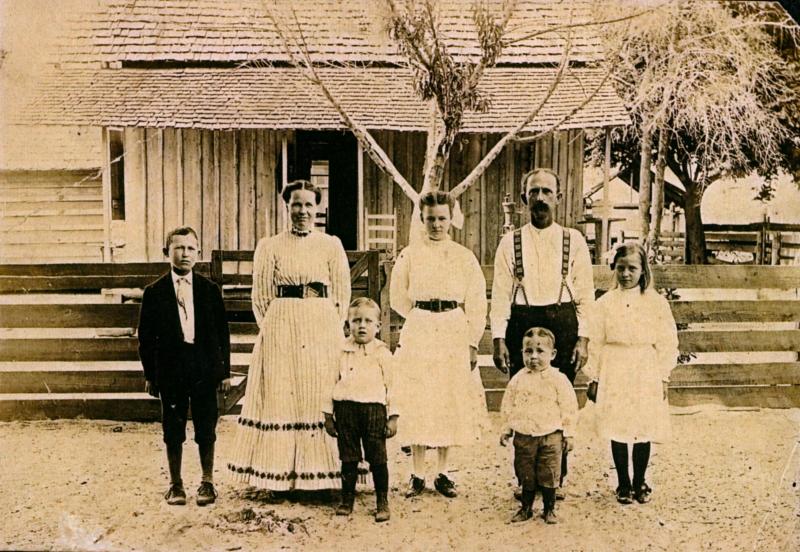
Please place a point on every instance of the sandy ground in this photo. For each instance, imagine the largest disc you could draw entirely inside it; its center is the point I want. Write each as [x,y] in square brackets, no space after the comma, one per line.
[728,481]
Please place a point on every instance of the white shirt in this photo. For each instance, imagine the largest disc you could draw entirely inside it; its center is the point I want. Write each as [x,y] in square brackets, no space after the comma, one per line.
[539,403]
[443,270]
[364,376]
[542,255]
[185,313]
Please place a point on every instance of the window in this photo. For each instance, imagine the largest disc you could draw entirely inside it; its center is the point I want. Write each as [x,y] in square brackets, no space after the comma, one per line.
[116,163]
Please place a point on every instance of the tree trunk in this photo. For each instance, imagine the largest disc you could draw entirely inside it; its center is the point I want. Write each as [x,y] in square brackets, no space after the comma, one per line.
[695,237]
[644,183]
[657,210]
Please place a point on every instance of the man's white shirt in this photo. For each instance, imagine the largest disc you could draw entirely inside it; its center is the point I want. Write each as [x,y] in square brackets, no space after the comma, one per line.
[542,258]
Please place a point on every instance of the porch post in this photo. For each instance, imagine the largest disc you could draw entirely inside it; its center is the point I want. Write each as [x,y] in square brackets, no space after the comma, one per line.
[284,181]
[106,197]
[606,210]
[361,237]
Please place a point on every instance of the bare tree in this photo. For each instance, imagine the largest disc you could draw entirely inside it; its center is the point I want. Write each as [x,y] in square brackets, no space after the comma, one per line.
[448,84]
[705,88]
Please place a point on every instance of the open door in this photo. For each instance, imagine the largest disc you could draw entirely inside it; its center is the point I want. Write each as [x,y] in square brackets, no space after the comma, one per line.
[330,160]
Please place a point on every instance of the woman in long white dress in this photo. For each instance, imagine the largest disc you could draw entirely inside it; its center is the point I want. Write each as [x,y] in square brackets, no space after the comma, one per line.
[633,349]
[301,289]
[438,287]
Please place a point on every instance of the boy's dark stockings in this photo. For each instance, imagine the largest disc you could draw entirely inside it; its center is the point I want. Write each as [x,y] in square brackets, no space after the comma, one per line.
[349,477]
[641,457]
[175,457]
[174,454]
[527,498]
[549,499]
[380,476]
[207,461]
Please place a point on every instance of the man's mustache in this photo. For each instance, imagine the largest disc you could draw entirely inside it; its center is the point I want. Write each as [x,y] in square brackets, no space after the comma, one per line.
[541,205]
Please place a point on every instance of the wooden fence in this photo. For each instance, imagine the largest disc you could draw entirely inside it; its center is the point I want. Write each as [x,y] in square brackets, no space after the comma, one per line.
[68,347]
[761,243]
[87,366]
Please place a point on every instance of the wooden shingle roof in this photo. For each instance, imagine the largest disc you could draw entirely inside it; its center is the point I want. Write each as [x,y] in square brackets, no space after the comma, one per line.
[280,98]
[335,30]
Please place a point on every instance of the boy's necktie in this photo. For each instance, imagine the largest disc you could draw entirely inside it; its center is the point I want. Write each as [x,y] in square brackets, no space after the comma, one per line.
[183,289]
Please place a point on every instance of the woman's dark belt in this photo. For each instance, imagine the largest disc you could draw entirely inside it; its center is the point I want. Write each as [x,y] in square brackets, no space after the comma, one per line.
[436,305]
[304,291]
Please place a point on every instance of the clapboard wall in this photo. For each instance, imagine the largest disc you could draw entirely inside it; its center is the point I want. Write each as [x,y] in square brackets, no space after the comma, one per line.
[482,203]
[225,184]
[222,183]
[51,216]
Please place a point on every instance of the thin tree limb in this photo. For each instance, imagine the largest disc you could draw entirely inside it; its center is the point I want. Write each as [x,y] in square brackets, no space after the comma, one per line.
[476,173]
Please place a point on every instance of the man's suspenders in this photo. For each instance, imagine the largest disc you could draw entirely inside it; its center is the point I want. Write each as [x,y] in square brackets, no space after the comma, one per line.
[519,267]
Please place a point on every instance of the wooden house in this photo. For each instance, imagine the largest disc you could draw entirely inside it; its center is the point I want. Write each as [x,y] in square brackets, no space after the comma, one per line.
[198,101]
[51,196]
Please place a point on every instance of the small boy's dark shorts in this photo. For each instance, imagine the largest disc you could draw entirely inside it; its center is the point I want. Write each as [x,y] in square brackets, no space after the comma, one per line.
[537,460]
[358,423]
[175,410]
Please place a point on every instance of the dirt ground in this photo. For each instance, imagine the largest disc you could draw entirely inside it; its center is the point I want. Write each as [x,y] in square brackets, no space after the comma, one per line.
[728,481]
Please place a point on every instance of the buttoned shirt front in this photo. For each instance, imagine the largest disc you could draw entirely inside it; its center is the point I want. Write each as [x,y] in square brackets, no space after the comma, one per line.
[365,375]
[542,258]
[185,304]
[539,403]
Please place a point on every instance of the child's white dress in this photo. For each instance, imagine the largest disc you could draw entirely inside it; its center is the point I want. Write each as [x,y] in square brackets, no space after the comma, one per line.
[441,402]
[632,350]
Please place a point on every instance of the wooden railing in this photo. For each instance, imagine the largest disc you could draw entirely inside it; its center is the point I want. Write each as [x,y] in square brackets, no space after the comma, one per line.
[66,350]
[68,346]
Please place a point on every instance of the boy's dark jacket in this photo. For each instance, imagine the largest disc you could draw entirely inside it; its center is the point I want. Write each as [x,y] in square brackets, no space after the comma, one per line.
[160,333]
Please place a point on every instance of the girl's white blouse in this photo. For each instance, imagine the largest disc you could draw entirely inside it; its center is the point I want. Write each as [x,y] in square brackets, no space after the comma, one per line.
[442,270]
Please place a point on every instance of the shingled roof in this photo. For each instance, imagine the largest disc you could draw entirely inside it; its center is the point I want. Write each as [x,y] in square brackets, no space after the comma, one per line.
[335,30]
[280,98]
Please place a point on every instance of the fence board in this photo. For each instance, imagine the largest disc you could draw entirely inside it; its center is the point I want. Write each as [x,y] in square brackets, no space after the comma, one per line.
[735,311]
[137,407]
[73,381]
[739,341]
[113,348]
[70,316]
[772,373]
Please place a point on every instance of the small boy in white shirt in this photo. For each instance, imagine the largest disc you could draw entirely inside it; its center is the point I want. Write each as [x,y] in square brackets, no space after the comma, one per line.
[359,410]
[539,409]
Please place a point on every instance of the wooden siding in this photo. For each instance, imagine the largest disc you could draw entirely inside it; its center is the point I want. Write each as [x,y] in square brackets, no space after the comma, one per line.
[222,183]
[482,203]
[51,216]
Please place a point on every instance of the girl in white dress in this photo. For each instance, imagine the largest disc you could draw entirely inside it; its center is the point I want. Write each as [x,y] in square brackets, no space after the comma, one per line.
[632,351]
[438,287]
[301,290]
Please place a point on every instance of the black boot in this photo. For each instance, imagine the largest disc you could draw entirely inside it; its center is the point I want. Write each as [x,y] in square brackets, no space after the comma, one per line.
[349,476]
[382,513]
[525,511]
[549,498]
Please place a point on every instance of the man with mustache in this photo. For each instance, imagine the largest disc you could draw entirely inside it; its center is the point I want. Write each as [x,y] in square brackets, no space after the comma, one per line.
[542,277]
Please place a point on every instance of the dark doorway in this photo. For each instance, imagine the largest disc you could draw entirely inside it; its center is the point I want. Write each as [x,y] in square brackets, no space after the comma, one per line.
[329,159]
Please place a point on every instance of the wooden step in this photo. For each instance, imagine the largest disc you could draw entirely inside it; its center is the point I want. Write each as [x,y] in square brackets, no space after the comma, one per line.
[139,407]
[76,377]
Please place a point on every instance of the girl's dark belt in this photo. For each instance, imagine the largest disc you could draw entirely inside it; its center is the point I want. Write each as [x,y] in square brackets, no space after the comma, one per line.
[303,291]
[436,305]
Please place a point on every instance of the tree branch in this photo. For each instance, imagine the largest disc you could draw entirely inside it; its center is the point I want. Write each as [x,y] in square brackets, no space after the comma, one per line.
[368,143]
[479,169]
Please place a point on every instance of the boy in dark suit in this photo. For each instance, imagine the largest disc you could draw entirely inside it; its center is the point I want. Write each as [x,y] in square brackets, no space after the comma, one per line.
[184,346]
